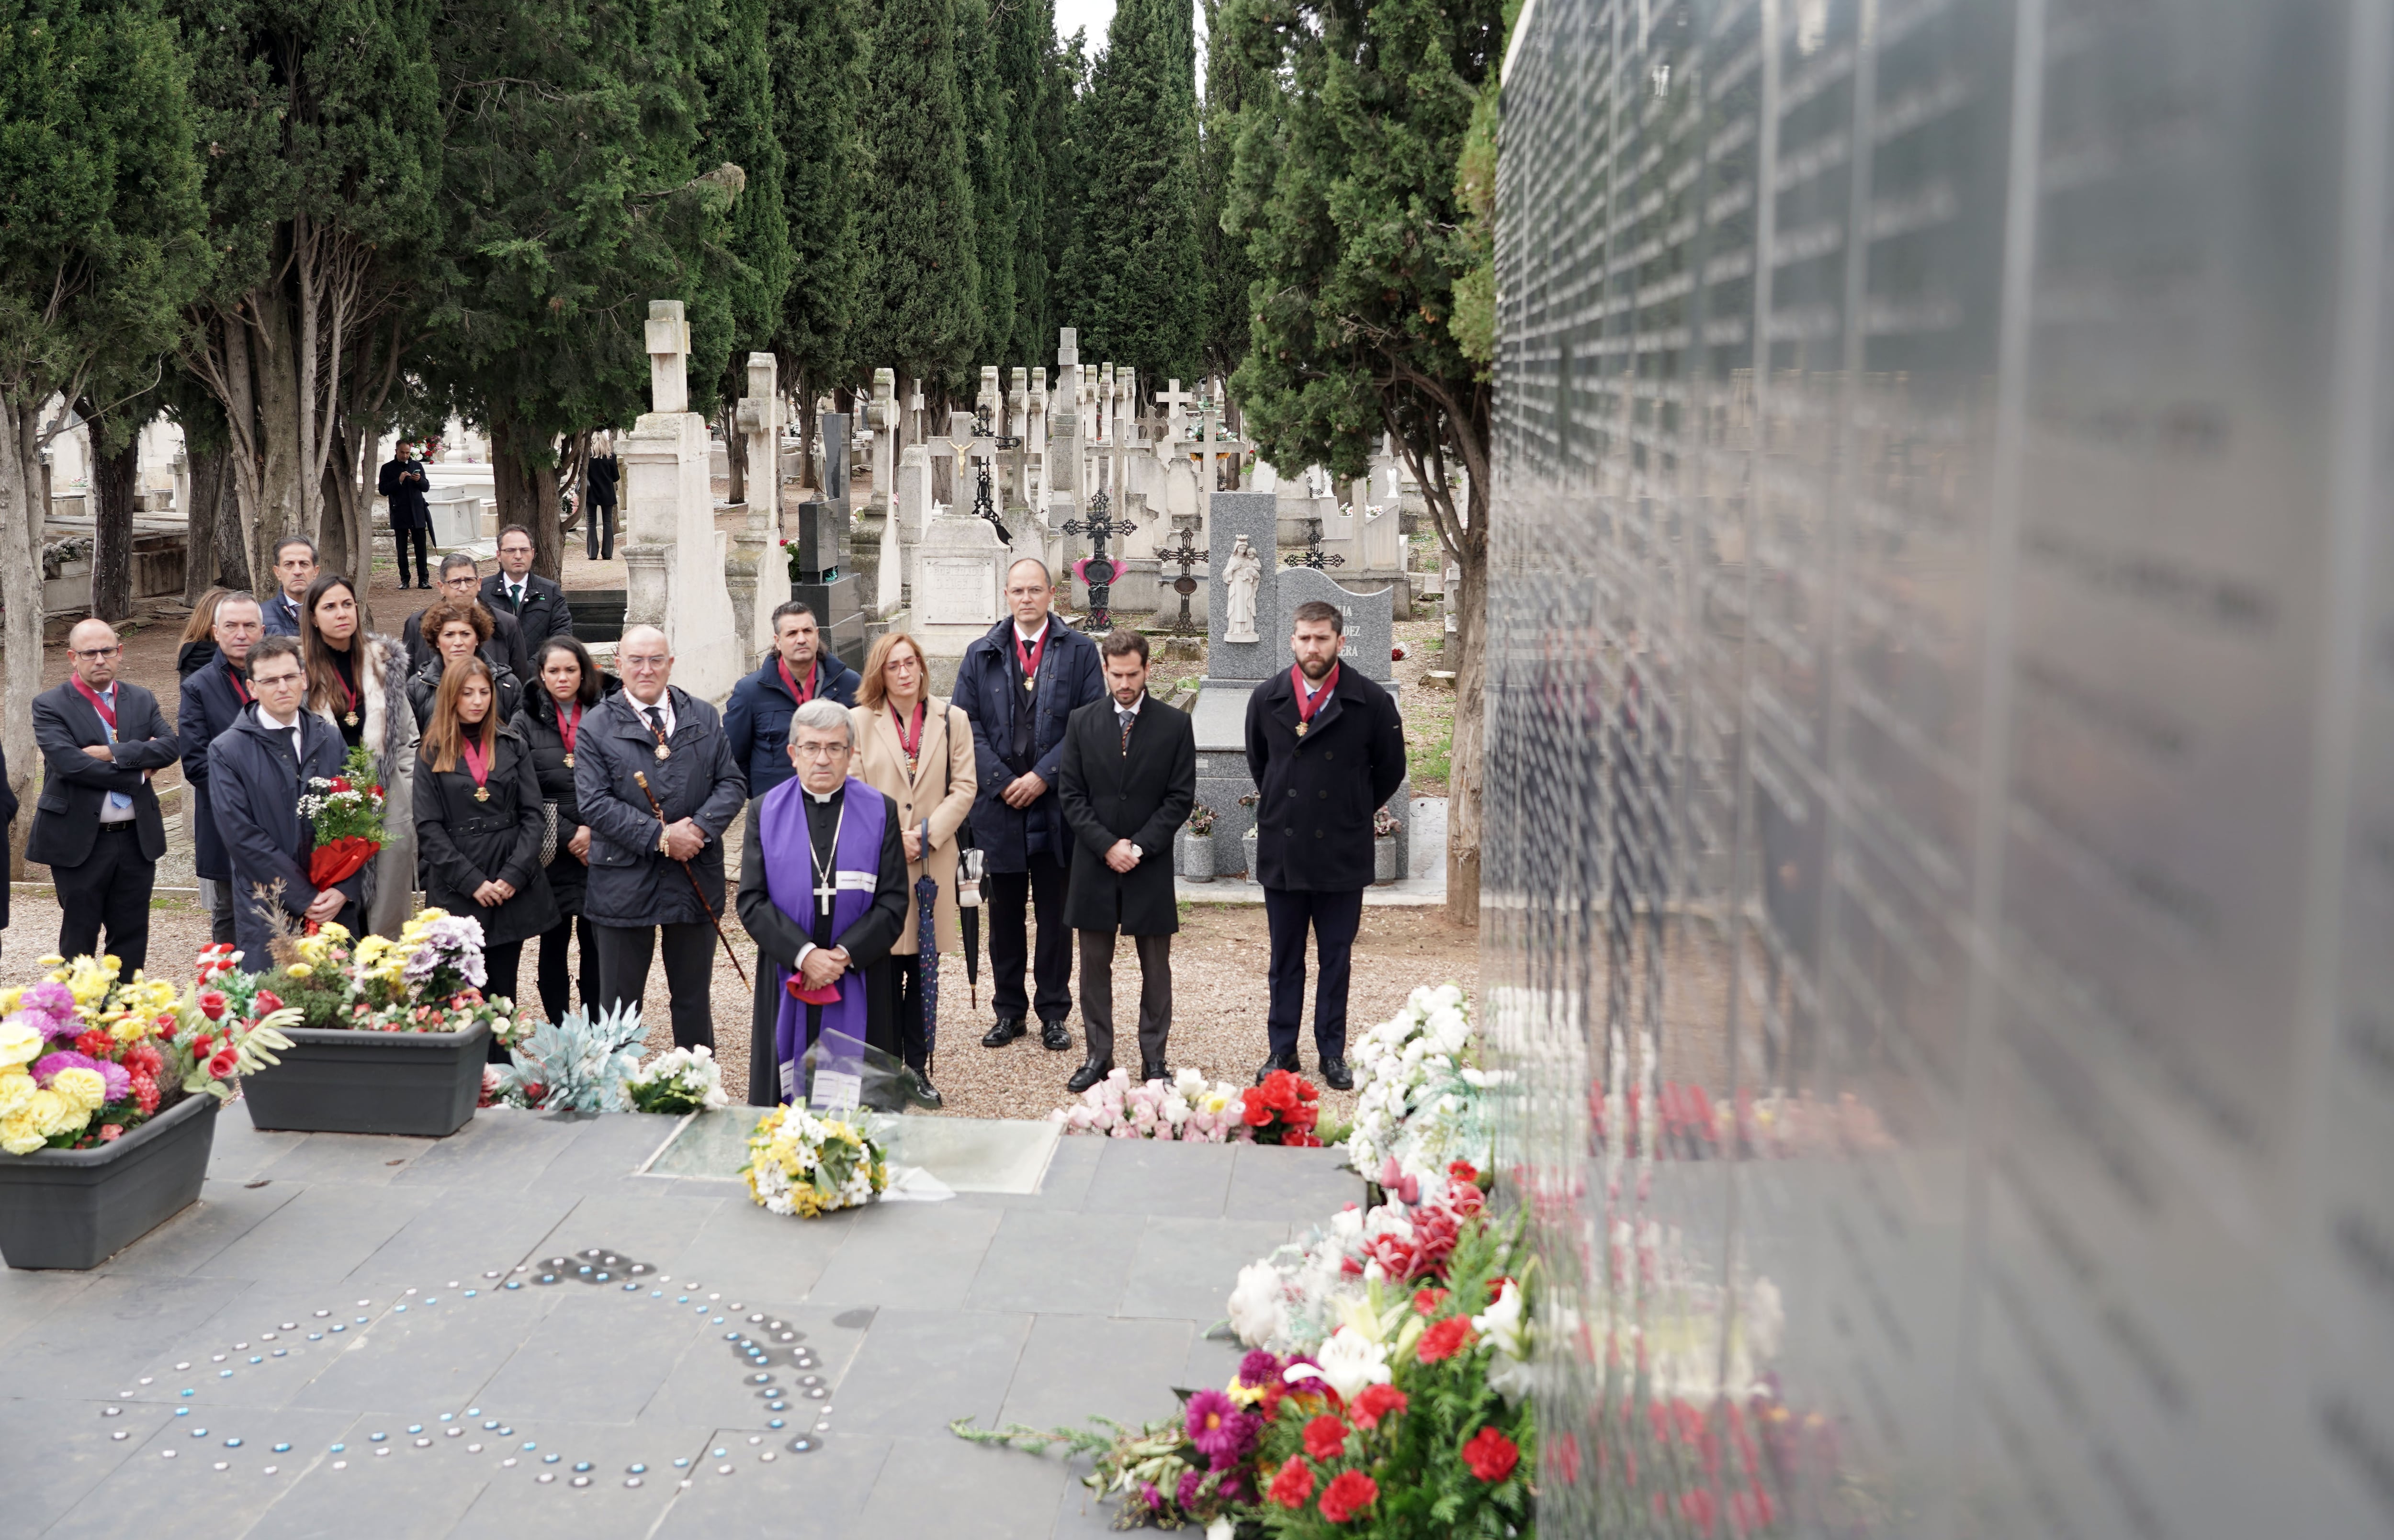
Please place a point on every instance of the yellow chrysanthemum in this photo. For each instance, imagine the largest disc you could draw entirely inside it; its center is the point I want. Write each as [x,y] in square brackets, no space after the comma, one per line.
[20,1135]
[9,1000]
[19,1044]
[49,959]
[301,970]
[82,1087]
[53,1112]
[16,1089]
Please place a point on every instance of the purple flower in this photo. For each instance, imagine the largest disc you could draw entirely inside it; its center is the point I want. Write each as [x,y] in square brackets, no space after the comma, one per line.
[1260,1367]
[114,1077]
[1190,1481]
[1155,1498]
[1215,1424]
[49,997]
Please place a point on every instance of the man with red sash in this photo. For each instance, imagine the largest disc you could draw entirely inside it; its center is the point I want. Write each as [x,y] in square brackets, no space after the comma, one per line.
[822,892]
[1326,749]
[96,825]
[756,718]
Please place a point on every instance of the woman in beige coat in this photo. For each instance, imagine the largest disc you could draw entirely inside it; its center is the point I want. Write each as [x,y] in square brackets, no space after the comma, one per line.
[917,750]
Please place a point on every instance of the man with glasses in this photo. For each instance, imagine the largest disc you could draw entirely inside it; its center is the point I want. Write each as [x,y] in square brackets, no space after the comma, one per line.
[294,569]
[96,825]
[656,855]
[536,605]
[257,770]
[461,581]
[214,698]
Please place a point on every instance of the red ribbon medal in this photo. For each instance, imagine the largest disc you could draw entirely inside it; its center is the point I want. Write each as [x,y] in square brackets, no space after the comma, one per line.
[1308,706]
[801,696]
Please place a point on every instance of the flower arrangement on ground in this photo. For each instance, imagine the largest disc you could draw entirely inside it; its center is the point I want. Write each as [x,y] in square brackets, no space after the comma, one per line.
[346,812]
[1419,1099]
[429,980]
[679,1080]
[809,1166]
[86,1057]
[1200,821]
[1283,1110]
[577,1065]
[1185,1107]
[1294,1300]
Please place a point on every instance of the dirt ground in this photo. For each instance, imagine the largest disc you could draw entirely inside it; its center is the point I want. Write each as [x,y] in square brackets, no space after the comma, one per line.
[1219,988]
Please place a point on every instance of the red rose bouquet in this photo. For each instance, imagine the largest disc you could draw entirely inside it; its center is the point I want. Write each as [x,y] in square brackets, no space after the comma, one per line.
[1283,1110]
[346,812]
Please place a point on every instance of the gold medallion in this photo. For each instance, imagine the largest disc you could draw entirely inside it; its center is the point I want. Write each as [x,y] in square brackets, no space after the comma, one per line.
[664,752]
[481,794]
[1300,729]
[350,720]
[569,761]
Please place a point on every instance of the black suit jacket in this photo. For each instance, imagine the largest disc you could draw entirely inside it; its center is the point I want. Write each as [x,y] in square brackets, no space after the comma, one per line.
[1142,794]
[66,817]
[7,830]
[1317,792]
[544,613]
[402,484]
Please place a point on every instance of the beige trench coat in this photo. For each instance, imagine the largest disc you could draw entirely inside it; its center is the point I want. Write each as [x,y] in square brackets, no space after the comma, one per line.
[947,765]
[946,762]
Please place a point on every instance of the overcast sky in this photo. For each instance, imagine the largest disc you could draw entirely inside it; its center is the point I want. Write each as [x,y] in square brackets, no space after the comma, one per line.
[1092,14]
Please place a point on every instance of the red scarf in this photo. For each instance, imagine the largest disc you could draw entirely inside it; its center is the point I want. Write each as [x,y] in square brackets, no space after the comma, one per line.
[801,696]
[1029,656]
[1305,709]
[239,686]
[477,758]
[912,743]
[107,712]
[568,726]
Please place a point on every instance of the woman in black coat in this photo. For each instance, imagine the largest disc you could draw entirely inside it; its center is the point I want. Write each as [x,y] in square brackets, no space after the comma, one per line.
[457,629]
[479,821]
[565,685]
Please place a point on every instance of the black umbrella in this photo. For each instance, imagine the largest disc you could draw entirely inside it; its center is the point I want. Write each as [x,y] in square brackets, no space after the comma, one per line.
[968,912]
[927,941]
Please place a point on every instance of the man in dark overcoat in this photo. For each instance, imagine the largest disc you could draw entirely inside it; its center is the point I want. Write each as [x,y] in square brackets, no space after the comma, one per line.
[1326,749]
[1129,778]
[536,603]
[1017,685]
[257,771]
[215,694]
[402,484]
[637,858]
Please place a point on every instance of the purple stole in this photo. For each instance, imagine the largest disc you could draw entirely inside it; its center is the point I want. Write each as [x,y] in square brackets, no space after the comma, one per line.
[788,854]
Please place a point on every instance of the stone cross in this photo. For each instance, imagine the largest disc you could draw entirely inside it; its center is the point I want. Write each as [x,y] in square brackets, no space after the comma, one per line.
[1063,460]
[1105,405]
[1175,401]
[884,418]
[1034,442]
[668,336]
[914,414]
[755,576]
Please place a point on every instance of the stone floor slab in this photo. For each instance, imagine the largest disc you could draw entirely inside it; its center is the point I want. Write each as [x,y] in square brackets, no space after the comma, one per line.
[1075,1367]
[920,1257]
[918,1370]
[944,1486]
[322,1236]
[357,1159]
[226,1211]
[1302,1187]
[1184,1268]
[514,1504]
[588,1362]
[153,1493]
[1073,1263]
[1150,1177]
[64,1442]
[819,1496]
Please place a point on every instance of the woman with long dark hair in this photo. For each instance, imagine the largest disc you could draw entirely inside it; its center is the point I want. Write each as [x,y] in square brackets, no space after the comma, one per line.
[478,816]
[359,684]
[565,684]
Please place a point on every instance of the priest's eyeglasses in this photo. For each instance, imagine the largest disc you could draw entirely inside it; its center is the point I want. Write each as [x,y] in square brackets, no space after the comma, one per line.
[822,751]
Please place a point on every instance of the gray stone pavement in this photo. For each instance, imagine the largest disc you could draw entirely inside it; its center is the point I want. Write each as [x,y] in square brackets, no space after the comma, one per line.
[337,1340]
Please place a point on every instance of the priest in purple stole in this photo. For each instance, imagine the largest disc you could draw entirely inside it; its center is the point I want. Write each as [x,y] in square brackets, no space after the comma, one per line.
[822,891]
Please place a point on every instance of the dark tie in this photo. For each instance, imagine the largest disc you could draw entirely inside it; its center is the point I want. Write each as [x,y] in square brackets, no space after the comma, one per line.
[1127,719]
[657,722]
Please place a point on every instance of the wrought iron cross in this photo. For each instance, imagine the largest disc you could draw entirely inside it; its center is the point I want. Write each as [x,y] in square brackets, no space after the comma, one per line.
[1311,557]
[982,506]
[1186,556]
[1099,571]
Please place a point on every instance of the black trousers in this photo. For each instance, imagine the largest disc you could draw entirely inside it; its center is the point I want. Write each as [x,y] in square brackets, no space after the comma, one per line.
[1155,993]
[501,963]
[109,889]
[423,537]
[553,999]
[625,953]
[601,548]
[1010,893]
[218,892]
[906,1009]
[1333,918]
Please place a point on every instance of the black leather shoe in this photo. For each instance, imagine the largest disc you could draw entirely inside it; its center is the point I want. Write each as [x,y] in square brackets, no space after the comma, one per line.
[1008,1028]
[1336,1075]
[1153,1069]
[1052,1035]
[1089,1074]
[1288,1063]
[920,1091]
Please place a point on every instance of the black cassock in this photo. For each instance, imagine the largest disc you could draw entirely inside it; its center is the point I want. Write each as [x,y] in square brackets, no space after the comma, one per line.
[778,938]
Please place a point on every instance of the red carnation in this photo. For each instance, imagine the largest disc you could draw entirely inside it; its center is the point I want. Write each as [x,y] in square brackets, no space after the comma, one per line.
[1426,1303]
[1325,1437]
[1257,1114]
[93,1044]
[1491,1455]
[212,1004]
[1349,1493]
[1444,1339]
[1279,1091]
[1375,1402]
[110,1132]
[340,783]
[1463,1171]
[1293,1485]
[224,1061]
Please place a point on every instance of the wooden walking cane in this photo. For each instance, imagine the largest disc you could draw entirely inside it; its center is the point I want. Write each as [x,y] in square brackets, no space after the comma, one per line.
[711,914]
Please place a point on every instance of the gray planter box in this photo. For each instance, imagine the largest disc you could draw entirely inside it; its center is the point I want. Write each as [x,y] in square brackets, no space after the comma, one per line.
[335,1081]
[76,1208]
[1196,856]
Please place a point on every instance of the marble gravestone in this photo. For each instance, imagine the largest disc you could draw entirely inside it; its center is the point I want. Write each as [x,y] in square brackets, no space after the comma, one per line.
[823,586]
[673,554]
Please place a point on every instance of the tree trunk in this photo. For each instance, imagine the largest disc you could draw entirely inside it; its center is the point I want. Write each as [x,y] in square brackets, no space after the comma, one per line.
[735,454]
[20,590]
[205,473]
[115,479]
[332,533]
[804,409]
[276,378]
[232,537]
[526,480]
[1467,757]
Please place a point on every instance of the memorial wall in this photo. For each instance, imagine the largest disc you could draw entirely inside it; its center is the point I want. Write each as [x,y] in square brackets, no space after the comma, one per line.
[1939,875]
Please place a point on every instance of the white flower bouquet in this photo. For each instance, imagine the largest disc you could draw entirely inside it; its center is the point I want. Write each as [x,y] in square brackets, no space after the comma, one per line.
[1184,1107]
[809,1166]
[679,1080]
[1421,1099]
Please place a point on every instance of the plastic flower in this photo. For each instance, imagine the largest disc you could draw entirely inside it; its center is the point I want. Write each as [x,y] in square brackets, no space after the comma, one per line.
[1349,1494]
[1491,1455]
[212,1004]
[1221,1432]
[16,1089]
[1501,1323]
[20,1042]
[1444,1339]
[1349,1361]
[1325,1437]
[1376,1402]
[1425,1301]
[1293,1485]
[81,1086]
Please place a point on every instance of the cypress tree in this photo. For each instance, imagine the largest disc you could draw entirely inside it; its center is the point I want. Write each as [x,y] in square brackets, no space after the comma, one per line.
[740,130]
[1135,266]
[989,138]
[921,268]
[1230,88]
[1063,109]
[1026,50]
[818,60]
